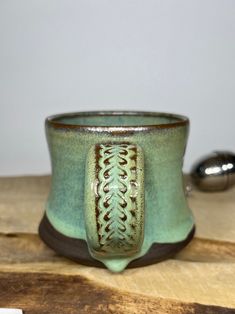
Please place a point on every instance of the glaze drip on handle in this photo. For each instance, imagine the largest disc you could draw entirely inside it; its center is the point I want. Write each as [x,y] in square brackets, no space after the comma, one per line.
[114,199]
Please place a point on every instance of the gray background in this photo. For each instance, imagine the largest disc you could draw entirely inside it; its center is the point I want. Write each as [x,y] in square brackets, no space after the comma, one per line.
[58,56]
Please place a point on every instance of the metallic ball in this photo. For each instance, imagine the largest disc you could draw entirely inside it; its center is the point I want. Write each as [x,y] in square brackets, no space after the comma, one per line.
[215,172]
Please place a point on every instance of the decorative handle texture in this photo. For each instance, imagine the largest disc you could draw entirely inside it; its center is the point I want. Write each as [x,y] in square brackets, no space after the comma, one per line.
[114,202]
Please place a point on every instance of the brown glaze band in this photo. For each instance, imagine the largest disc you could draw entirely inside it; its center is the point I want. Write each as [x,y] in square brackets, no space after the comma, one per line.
[54,121]
[77,250]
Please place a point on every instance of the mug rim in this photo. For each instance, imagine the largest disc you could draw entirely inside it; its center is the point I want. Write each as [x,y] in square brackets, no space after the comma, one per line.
[53,120]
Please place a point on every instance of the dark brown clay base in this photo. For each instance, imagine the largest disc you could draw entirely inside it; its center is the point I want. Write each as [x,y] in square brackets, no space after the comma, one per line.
[77,249]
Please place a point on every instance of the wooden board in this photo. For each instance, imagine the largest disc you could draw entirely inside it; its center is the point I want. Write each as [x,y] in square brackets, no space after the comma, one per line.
[201,279]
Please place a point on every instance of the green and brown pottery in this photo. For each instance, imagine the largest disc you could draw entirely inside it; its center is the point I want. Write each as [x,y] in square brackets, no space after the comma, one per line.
[117,197]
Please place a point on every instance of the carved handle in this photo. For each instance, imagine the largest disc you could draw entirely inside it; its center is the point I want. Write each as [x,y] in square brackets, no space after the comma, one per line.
[114,201]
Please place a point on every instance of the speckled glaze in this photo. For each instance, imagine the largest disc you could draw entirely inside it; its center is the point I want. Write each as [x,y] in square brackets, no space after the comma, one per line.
[114,203]
[161,141]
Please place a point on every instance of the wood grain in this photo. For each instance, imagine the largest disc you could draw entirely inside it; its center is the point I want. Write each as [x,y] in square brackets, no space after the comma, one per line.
[49,293]
[22,202]
[200,279]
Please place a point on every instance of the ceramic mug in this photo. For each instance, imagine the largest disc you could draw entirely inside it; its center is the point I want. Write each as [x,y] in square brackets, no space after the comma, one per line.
[117,196]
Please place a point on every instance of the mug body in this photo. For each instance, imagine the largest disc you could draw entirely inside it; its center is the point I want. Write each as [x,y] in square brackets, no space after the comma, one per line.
[162,221]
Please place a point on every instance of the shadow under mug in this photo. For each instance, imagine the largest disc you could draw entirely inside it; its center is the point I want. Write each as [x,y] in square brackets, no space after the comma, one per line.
[117,197]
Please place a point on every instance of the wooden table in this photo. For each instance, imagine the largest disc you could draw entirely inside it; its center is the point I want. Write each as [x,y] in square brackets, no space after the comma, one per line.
[201,279]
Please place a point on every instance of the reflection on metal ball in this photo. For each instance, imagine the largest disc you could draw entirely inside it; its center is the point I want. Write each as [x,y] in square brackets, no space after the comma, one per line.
[215,172]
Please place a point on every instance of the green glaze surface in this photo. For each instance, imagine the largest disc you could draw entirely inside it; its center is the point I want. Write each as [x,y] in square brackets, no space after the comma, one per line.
[114,202]
[167,218]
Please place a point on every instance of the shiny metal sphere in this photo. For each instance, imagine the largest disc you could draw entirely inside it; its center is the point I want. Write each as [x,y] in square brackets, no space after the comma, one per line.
[215,172]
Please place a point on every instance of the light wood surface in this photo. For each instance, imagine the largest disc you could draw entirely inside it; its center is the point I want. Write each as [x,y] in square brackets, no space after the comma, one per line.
[200,279]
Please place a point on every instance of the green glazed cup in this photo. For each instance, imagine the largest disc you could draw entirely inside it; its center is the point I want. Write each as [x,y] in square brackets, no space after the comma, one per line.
[117,196]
